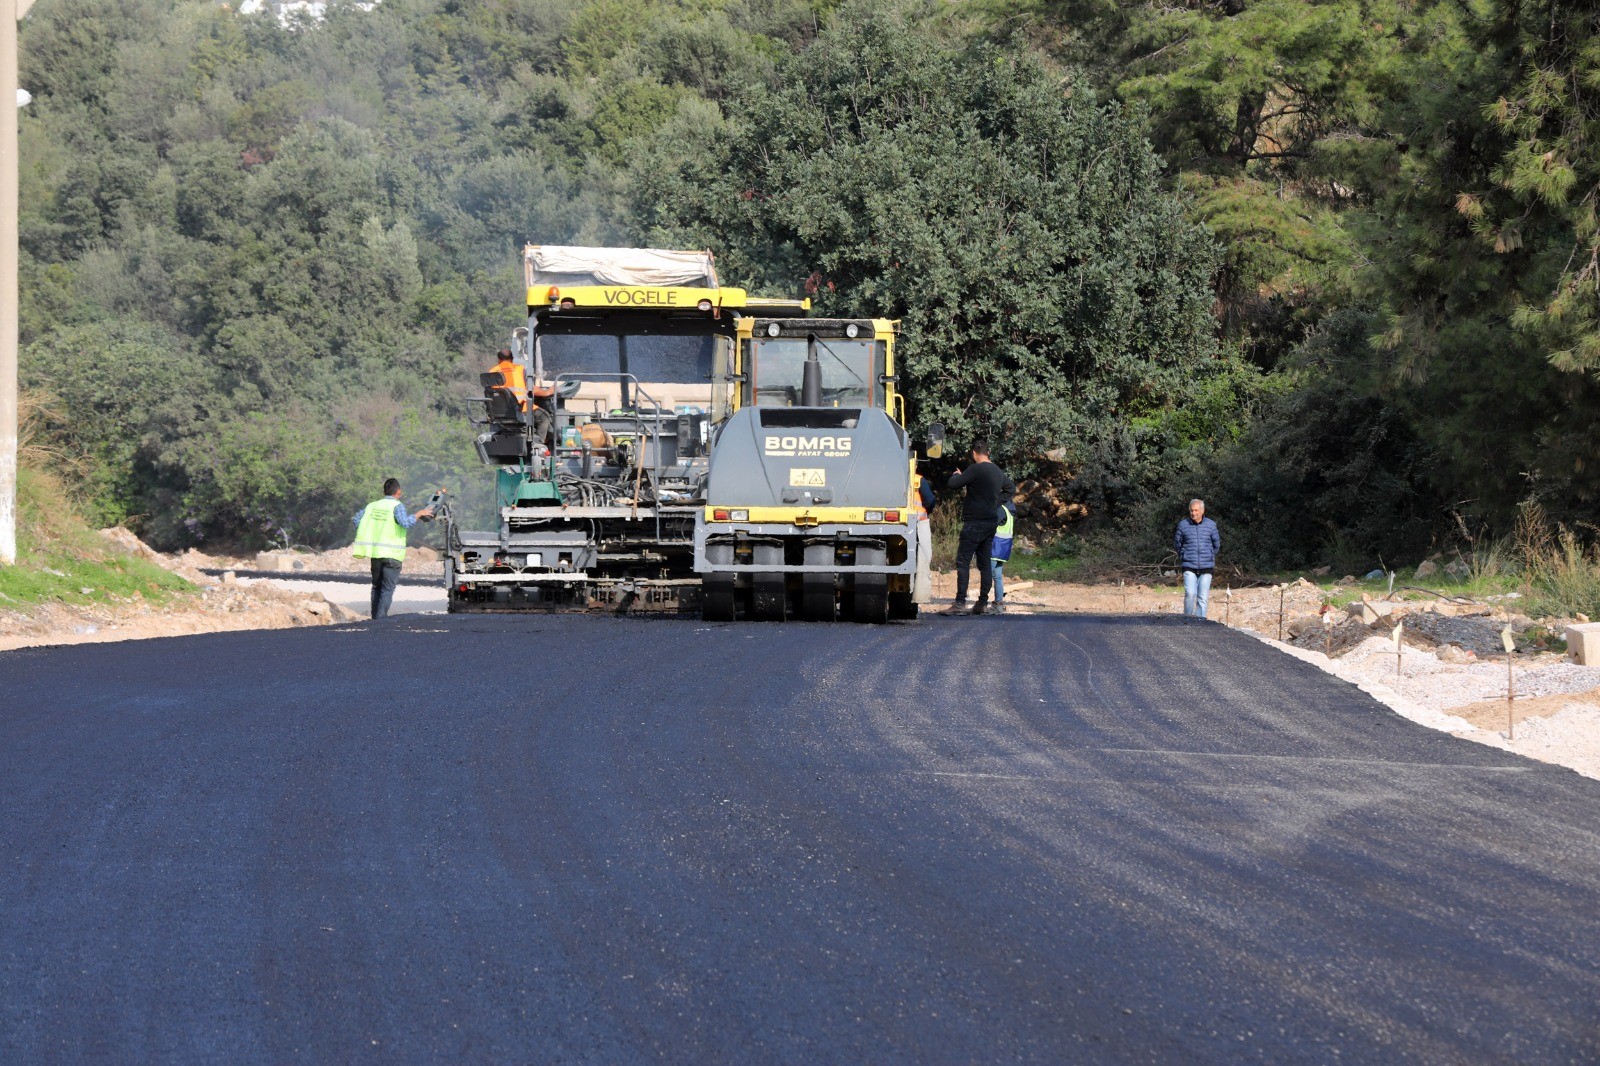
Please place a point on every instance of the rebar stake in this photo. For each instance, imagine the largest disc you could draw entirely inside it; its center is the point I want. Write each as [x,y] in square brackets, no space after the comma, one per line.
[1511,696]
[1510,646]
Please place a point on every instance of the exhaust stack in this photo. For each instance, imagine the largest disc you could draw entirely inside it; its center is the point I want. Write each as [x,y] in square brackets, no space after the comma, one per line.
[811,376]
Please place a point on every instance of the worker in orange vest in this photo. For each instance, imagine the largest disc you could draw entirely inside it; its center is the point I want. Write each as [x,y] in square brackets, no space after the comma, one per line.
[516,378]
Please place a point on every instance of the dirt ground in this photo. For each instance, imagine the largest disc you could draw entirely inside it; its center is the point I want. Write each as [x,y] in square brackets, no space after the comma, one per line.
[222,604]
[1452,675]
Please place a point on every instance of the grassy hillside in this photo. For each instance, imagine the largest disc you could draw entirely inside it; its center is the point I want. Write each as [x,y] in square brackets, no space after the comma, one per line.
[61,560]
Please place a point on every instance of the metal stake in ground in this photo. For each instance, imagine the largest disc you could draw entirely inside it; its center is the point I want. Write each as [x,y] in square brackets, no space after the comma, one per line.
[1283,590]
[1227,610]
[1511,681]
[1399,645]
[1327,631]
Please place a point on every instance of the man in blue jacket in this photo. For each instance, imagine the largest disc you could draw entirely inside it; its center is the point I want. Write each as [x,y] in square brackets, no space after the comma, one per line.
[1196,542]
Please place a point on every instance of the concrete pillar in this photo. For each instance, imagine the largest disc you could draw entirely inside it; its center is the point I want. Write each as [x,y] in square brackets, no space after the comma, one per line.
[10,12]
[1583,644]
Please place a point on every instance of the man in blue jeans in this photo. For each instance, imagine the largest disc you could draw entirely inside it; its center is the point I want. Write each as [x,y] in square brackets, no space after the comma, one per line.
[381,536]
[1000,551]
[1196,542]
[987,488]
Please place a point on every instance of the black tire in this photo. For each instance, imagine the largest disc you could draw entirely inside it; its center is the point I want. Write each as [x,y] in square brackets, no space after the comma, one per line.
[717,598]
[768,598]
[819,600]
[902,606]
[872,598]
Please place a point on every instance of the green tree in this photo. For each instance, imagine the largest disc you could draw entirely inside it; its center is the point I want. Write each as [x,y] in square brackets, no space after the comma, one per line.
[1046,282]
[1245,81]
[1549,177]
[1252,104]
[1302,469]
[121,395]
[1481,238]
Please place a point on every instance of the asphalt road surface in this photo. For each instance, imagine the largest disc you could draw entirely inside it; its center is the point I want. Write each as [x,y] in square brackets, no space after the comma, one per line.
[580,839]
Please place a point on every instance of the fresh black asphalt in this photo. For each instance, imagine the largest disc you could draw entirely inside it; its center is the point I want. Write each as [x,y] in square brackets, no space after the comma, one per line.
[584,839]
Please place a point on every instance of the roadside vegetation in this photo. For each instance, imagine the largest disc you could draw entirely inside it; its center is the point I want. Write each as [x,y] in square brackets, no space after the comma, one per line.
[1554,569]
[1540,568]
[60,559]
[1329,264]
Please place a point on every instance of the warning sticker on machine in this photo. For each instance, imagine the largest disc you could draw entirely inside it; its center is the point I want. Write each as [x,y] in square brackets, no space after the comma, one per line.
[806,476]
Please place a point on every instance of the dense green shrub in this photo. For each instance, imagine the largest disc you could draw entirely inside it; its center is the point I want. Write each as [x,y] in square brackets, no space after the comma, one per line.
[1321,474]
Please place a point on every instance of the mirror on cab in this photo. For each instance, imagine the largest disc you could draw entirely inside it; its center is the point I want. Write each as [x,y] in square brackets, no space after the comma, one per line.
[935,447]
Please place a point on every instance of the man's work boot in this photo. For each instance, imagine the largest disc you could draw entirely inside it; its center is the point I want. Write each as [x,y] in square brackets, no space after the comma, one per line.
[956,608]
[980,608]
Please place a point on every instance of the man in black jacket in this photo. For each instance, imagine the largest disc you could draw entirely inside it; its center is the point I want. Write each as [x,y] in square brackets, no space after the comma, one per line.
[987,488]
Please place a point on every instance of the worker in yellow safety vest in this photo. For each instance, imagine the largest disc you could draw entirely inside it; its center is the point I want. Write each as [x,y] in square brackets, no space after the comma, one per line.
[381,536]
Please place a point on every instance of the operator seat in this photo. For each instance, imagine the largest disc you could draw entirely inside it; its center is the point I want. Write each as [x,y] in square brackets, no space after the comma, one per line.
[503,407]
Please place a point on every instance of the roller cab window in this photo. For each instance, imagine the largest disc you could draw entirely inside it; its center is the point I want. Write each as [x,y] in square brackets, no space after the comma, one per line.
[850,371]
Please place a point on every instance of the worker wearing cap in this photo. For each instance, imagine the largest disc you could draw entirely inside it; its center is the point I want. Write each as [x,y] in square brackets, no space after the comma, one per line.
[516,379]
[381,537]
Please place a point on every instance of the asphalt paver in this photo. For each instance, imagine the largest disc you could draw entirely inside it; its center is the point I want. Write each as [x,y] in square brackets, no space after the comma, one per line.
[592,839]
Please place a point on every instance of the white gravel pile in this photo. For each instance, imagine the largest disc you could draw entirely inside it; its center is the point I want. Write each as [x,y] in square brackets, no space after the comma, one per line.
[1569,738]
[1426,681]
[1426,690]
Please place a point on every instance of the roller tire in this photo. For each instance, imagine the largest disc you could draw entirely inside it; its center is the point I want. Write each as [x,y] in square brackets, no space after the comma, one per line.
[902,606]
[768,598]
[818,600]
[872,599]
[717,598]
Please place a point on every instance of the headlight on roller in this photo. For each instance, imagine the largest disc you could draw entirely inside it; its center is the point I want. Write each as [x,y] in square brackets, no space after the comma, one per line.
[874,516]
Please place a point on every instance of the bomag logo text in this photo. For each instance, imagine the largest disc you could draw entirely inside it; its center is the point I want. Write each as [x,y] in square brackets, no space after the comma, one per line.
[827,446]
[642,297]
